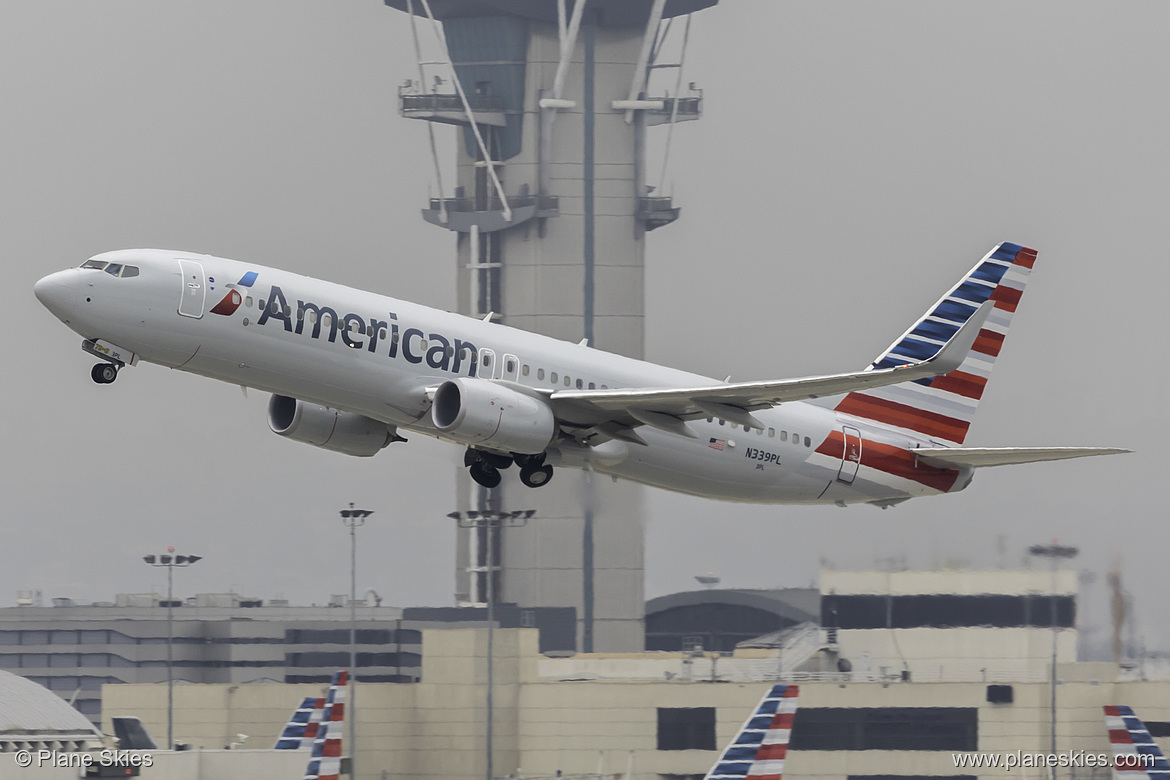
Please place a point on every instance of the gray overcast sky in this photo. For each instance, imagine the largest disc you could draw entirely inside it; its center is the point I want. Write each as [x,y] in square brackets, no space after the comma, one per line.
[853,160]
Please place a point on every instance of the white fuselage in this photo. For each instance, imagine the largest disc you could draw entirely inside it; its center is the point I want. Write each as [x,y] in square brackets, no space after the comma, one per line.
[378,356]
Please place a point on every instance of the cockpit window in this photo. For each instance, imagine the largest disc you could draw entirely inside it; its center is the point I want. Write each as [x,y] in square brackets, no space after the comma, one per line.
[113,269]
[129,270]
[98,264]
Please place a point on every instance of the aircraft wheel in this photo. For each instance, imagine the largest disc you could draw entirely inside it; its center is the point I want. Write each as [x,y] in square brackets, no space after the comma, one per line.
[495,459]
[104,373]
[485,474]
[526,461]
[536,477]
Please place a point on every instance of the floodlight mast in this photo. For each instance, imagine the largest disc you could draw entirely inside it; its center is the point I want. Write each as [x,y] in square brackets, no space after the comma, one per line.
[1054,553]
[353,519]
[170,561]
[492,521]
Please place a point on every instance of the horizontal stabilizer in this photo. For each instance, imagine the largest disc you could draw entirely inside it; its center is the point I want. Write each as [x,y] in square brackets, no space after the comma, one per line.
[979,457]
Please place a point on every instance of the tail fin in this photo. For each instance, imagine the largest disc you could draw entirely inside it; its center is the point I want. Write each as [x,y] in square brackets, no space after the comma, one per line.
[759,749]
[301,729]
[325,763]
[943,407]
[1135,754]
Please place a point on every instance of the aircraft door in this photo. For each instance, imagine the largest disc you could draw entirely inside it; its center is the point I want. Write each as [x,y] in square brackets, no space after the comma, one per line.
[511,368]
[851,457]
[486,368]
[194,289]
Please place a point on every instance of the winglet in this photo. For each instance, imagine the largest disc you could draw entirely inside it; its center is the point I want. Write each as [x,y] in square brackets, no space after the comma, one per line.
[954,352]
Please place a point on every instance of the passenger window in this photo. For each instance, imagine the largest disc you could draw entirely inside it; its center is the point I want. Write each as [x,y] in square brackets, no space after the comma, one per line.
[510,366]
[262,304]
[771,433]
[710,419]
[807,441]
[759,431]
[300,314]
[540,374]
[287,310]
[580,384]
[487,359]
[381,333]
[113,269]
[723,422]
[592,386]
[450,351]
[796,439]
[128,271]
[524,370]
[312,316]
[605,387]
[553,377]
[423,346]
[248,302]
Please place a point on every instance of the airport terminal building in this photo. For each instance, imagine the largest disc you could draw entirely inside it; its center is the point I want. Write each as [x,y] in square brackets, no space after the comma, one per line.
[901,673]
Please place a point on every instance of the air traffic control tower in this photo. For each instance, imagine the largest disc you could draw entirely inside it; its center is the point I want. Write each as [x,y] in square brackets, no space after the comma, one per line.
[550,208]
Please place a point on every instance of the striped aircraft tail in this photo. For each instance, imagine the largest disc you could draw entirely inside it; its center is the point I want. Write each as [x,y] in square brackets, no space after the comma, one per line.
[301,729]
[943,407]
[1135,754]
[325,763]
[761,746]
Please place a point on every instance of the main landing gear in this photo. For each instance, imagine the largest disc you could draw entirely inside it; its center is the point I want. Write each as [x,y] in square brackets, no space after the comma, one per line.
[104,373]
[485,467]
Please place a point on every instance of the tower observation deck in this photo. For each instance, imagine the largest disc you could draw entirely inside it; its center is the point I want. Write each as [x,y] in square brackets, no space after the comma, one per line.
[549,209]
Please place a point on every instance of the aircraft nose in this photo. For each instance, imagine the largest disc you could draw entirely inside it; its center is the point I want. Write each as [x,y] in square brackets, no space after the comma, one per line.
[57,291]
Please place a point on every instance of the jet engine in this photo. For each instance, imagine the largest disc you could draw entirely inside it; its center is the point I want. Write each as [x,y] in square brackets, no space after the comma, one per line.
[492,416]
[330,429]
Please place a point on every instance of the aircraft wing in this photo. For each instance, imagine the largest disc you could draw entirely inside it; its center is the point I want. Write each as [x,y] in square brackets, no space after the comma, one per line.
[667,407]
[979,457]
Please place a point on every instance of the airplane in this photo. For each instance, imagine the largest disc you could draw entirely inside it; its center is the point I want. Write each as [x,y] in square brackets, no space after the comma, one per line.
[760,748]
[325,760]
[350,370]
[301,730]
[1135,754]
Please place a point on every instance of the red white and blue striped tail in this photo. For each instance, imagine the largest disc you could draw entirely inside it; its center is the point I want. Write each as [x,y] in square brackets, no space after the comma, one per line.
[761,746]
[943,407]
[1135,754]
[325,763]
[301,730]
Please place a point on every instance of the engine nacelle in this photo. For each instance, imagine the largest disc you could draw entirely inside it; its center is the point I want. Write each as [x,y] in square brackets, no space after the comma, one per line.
[489,415]
[330,429]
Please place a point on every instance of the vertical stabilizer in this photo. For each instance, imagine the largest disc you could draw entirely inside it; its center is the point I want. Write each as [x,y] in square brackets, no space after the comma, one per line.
[1135,754]
[943,407]
[761,746]
[325,763]
[301,729]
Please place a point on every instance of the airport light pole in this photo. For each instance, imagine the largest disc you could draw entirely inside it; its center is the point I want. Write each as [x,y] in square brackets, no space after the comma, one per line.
[353,519]
[1054,553]
[171,561]
[491,522]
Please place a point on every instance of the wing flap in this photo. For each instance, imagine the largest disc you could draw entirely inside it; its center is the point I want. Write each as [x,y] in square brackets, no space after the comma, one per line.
[981,457]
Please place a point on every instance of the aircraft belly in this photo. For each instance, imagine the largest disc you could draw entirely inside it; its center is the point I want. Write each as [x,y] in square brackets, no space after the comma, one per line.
[696,467]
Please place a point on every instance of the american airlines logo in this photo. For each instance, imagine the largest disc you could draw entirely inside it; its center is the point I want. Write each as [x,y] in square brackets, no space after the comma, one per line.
[357,332]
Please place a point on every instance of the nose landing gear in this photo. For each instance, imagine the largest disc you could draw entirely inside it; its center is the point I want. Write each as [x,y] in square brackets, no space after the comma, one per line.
[104,373]
[485,467]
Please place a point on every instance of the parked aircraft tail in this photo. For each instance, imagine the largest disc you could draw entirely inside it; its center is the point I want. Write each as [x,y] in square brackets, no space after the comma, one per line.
[325,763]
[761,746]
[302,728]
[1135,754]
[942,407]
